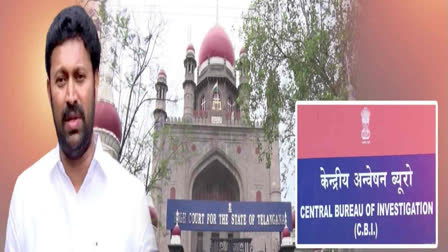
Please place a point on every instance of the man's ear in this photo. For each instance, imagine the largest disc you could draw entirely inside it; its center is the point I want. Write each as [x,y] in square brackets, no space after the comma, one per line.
[49,90]
[97,81]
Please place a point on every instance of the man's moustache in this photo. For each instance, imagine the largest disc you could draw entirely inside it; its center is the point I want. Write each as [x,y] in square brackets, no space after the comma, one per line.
[73,111]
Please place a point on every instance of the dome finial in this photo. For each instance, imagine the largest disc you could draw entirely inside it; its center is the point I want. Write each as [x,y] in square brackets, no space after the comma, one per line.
[175,232]
[286,234]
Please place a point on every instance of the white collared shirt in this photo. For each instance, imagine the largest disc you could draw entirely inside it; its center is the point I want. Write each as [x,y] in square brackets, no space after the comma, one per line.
[109,212]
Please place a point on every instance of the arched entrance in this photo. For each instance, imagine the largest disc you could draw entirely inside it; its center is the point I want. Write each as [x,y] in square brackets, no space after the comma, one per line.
[214,182]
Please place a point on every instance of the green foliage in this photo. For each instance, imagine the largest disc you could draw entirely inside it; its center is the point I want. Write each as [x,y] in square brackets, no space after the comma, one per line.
[296,50]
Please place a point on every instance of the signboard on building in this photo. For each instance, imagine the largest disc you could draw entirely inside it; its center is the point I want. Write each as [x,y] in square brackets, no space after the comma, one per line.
[228,216]
[216,120]
[366,174]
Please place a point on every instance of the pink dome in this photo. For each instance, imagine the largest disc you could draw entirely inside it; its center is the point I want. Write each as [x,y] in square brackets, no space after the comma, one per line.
[242,50]
[286,232]
[216,44]
[162,72]
[176,230]
[154,218]
[190,47]
[106,117]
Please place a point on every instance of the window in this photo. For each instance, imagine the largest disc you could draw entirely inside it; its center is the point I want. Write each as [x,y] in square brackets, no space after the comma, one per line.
[173,193]
[258,197]
[203,103]
[230,105]
[160,92]
[216,101]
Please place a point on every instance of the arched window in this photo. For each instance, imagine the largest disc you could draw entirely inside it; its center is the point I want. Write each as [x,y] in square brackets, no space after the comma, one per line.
[159,92]
[230,105]
[173,193]
[216,101]
[258,196]
[203,103]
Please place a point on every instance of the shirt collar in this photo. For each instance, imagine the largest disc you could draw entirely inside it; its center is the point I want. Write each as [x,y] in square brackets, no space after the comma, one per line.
[98,156]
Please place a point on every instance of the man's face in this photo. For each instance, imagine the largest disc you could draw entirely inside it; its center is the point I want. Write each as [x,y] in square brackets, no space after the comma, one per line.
[72,91]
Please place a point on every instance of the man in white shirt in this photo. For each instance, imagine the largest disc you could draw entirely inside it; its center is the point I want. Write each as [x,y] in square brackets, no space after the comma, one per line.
[77,197]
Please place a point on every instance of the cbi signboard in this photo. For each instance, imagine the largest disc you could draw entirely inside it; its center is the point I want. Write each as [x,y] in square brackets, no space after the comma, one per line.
[366,174]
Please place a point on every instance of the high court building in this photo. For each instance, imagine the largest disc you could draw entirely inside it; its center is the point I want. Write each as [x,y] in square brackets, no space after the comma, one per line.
[219,157]
[211,153]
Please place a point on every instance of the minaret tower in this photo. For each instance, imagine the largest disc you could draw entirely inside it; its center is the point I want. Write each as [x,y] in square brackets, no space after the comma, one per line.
[161,89]
[189,84]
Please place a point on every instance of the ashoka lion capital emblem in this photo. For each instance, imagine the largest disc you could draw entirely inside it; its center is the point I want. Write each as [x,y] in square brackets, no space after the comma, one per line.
[365,119]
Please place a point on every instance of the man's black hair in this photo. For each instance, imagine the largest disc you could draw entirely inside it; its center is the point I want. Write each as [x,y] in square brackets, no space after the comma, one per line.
[73,22]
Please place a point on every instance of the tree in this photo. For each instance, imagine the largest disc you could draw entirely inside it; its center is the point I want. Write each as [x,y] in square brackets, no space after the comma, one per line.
[296,50]
[128,66]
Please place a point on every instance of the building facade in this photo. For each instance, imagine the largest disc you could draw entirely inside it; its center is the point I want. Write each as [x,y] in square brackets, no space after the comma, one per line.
[211,153]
